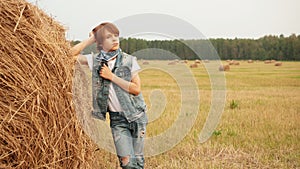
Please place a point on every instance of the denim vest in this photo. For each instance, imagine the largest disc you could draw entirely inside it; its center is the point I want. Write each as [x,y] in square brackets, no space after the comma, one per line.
[133,106]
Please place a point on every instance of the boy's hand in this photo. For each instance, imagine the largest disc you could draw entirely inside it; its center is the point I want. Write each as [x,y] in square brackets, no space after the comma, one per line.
[106,73]
[92,37]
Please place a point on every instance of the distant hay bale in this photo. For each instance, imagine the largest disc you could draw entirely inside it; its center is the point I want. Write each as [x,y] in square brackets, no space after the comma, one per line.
[206,61]
[194,65]
[267,61]
[185,61]
[278,64]
[38,123]
[233,62]
[224,68]
[197,61]
[273,61]
[236,63]
[172,63]
[145,63]
[250,61]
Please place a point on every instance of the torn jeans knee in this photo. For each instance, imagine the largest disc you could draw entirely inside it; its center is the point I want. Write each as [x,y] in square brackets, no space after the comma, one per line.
[128,163]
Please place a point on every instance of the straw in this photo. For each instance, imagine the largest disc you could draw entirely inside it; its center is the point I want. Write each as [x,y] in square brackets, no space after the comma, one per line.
[38,124]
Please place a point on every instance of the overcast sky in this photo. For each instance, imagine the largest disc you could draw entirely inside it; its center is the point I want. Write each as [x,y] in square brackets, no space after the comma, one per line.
[213,18]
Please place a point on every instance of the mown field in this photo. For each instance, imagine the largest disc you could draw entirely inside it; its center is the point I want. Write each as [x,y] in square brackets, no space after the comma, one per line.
[259,127]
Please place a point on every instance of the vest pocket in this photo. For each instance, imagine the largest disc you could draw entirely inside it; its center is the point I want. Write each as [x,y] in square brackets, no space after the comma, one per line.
[124,73]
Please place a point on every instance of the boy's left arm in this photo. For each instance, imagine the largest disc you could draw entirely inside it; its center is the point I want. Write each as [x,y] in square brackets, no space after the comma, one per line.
[132,87]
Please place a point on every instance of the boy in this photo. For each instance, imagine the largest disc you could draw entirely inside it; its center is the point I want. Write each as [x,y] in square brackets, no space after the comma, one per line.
[117,90]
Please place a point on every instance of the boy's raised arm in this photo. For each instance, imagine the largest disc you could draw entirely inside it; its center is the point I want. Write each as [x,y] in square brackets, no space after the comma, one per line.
[75,50]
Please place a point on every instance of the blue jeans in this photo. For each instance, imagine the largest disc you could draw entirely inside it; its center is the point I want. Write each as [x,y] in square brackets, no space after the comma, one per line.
[129,139]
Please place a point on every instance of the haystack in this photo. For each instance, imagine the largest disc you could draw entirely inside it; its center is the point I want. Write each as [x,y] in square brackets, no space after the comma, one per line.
[194,65]
[38,125]
[172,63]
[278,64]
[197,61]
[146,63]
[234,62]
[224,68]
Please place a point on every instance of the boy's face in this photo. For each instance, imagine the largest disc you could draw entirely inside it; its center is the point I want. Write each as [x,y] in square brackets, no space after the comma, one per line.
[110,41]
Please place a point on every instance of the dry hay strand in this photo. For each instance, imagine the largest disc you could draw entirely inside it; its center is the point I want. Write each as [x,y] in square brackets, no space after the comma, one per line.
[224,68]
[82,60]
[38,125]
[235,158]
[278,64]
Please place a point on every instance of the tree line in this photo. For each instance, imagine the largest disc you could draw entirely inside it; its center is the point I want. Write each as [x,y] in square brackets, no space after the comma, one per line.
[267,47]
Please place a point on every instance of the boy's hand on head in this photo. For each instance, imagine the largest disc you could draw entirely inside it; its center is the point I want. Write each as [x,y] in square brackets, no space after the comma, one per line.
[92,36]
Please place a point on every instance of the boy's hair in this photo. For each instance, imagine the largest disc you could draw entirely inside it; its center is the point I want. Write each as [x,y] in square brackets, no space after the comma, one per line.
[98,32]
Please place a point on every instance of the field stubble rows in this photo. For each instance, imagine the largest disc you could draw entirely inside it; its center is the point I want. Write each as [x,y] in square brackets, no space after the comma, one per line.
[259,126]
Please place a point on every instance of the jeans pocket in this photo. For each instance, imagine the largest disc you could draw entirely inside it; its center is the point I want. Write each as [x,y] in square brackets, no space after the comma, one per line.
[117,120]
[143,119]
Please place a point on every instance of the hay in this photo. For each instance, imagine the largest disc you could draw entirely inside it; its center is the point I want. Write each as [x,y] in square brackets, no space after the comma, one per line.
[234,62]
[38,124]
[197,61]
[172,63]
[224,68]
[194,65]
[146,63]
[278,64]
[82,60]
[184,61]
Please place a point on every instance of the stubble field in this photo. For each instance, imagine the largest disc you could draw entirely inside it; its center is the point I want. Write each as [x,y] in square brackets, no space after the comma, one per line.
[259,127]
